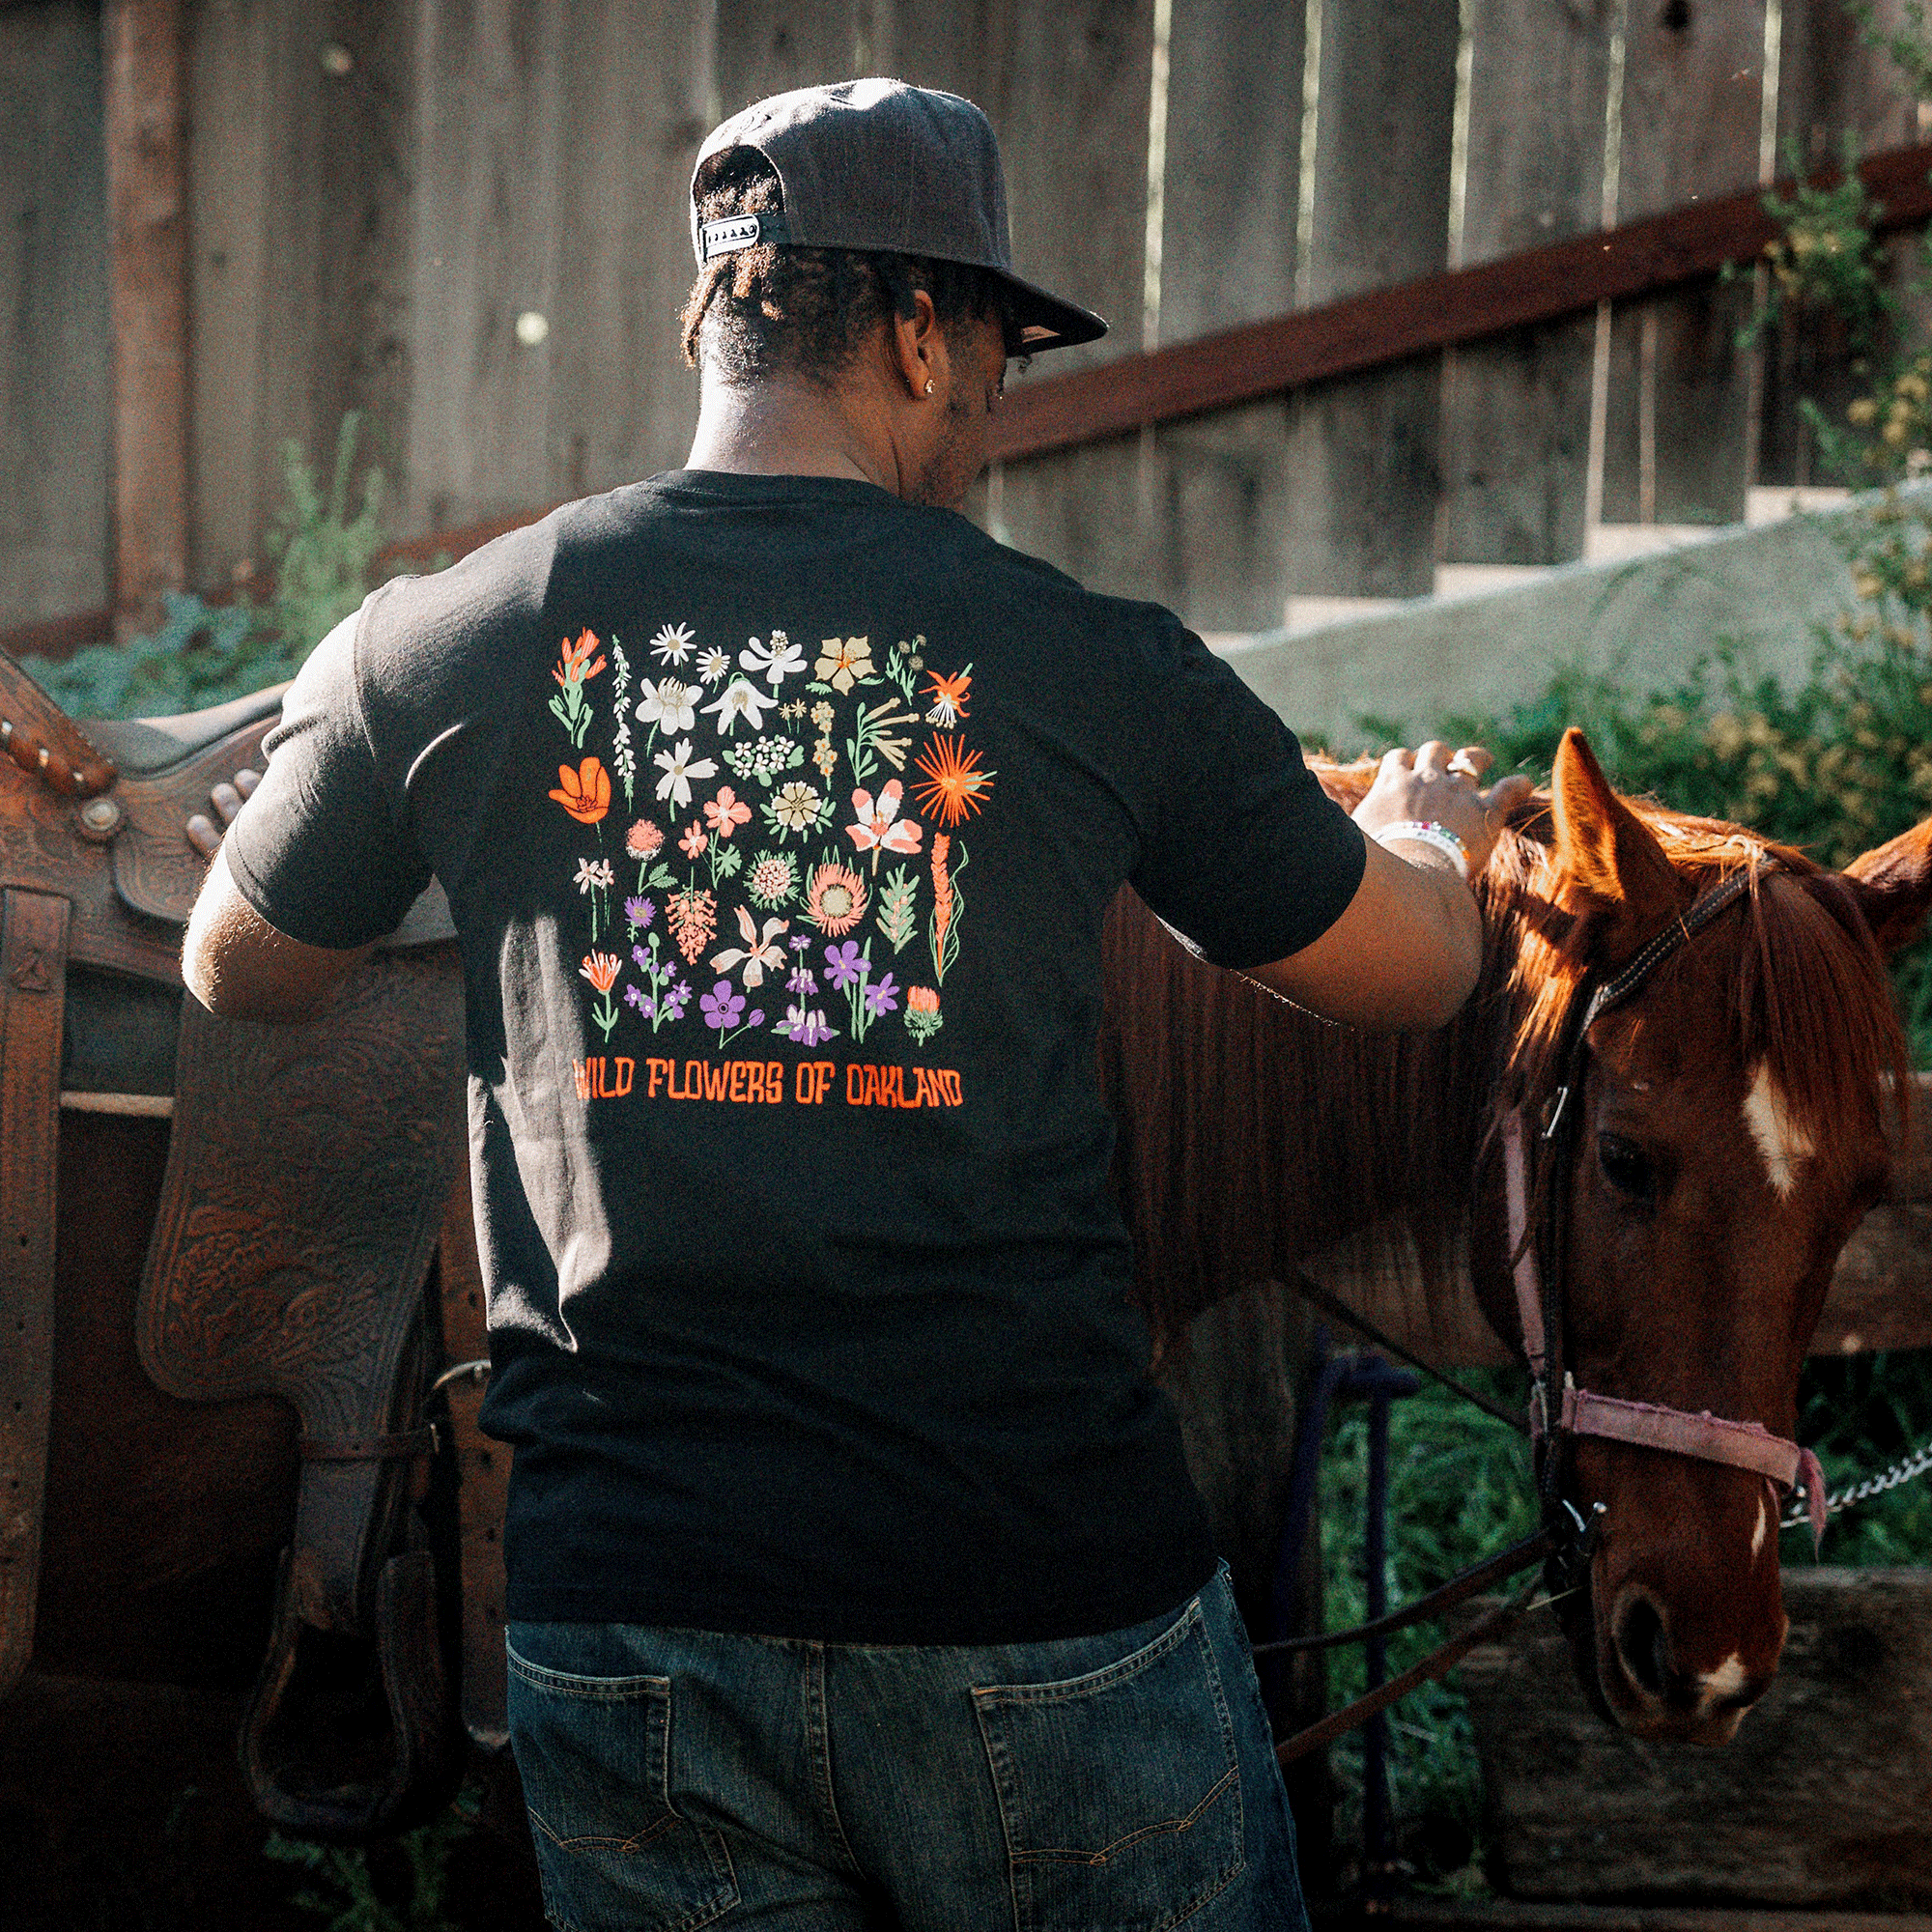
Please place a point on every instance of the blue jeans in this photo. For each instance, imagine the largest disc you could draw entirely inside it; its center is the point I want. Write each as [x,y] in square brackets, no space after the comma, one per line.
[678,1778]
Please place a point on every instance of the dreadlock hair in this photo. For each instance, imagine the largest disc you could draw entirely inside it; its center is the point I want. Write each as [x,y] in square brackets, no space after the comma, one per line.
[808,312]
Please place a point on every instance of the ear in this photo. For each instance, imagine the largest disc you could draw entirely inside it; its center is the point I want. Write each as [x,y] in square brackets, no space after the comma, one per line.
[1607,854]
[1893,886]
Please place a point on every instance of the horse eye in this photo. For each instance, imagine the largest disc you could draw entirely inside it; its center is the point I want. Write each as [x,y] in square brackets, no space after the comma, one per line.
[1627,1168]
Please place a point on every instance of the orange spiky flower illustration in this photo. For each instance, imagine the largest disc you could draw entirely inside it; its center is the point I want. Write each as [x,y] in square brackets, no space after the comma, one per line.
[943,922]
[955,786]
[573,670]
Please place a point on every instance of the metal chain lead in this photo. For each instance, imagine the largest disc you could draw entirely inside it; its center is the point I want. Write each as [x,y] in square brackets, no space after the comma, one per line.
[1901,1472]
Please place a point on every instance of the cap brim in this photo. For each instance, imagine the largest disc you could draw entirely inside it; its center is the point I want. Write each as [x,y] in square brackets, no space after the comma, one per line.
[1043,321]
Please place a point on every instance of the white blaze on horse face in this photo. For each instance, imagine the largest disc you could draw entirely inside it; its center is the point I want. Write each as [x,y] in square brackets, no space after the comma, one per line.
[1783,1143]
[1762,1531]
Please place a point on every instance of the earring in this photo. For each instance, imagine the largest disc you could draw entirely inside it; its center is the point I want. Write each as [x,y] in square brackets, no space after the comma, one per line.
[929,386]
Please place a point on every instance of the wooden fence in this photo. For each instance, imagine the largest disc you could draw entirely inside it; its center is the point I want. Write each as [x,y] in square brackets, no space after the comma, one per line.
[462,218]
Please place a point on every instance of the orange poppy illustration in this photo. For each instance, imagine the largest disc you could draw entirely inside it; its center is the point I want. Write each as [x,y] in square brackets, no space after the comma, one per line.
[955,786]
[583,793]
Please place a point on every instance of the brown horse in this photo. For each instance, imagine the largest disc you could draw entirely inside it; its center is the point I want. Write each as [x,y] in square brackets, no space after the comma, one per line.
[1733,1133]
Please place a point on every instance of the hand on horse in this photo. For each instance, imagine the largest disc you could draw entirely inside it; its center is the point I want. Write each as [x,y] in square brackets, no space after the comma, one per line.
[1433,785]
[227,799]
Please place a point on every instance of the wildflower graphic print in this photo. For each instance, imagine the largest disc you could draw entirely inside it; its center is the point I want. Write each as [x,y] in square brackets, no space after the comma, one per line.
[780,843]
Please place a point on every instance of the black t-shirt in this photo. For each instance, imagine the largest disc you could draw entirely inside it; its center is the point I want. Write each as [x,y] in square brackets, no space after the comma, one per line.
[778,818]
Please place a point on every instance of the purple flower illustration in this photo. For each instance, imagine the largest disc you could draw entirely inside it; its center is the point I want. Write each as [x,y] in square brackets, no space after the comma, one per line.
[804,981]
[843,964]
[800,941]
[642,958]
[633,996]
[722,1006]
[881,998]
[638,912]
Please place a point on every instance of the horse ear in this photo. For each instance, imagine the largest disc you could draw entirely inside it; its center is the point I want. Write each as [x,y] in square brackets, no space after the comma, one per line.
[1893,886]
[1605,852]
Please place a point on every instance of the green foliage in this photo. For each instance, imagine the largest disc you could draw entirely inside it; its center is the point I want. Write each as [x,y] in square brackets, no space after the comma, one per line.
[198,656]
[399,1887]
[323,554]
[1909,45]
[205,654]
[1460,1488]
[1828,260]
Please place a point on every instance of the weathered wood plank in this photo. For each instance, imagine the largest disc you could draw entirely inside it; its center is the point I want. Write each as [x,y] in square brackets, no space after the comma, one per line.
[1363,455]
[1515,410]
[1680,389]
[300,165]
[1823,1799]
[1073,97]
[490,153]
[53,313]
[624,403]
[767,46]
[1679,406]
[143,112]
[1388,324]
[1218,487]
[1833,83]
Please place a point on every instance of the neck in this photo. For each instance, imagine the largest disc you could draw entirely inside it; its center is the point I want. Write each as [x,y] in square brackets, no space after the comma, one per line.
[782,427]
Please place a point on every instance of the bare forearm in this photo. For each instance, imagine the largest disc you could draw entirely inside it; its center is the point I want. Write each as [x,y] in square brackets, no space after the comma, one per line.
[240,967]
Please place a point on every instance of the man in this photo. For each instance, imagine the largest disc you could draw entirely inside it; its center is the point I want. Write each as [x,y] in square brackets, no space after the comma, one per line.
[855,1577]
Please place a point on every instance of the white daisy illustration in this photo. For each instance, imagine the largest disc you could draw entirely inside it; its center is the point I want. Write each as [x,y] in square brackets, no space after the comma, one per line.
[672,643]
[679,768]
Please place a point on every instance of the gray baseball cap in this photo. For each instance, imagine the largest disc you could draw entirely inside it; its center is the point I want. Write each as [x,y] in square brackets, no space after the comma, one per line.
[876,164]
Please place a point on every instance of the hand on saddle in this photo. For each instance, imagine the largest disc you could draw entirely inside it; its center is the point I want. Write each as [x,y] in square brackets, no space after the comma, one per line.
[203,833]
[1434,786]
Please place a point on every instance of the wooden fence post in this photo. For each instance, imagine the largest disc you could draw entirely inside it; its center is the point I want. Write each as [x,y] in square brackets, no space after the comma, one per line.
[147,296]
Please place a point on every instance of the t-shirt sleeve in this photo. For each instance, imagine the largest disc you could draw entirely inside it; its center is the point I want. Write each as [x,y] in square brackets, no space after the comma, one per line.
[1241,851]
[318,851]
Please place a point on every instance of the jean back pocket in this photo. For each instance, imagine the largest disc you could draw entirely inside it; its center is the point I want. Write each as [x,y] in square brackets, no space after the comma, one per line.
[615,1855]
[1118,1791]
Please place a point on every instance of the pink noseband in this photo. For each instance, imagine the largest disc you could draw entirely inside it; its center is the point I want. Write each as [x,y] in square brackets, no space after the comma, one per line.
[1705,1437]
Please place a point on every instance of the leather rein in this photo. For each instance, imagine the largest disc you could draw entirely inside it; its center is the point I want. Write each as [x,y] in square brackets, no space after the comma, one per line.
[1538,1222]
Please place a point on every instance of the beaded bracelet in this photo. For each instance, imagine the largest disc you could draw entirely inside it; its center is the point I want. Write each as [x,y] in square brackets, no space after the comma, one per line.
[1434,833]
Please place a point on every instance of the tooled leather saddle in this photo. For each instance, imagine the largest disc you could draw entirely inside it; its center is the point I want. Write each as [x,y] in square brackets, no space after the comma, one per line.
[312,1171]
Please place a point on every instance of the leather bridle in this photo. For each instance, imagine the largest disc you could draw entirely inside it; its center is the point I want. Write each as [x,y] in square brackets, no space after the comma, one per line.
[1537,1207]
[1559,1412]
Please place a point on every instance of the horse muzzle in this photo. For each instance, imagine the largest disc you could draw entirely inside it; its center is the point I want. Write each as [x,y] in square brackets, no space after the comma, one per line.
[1668,1654]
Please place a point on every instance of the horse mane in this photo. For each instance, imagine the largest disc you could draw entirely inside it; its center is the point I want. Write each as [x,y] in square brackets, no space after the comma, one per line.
[1252,1134]
[1799,987]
